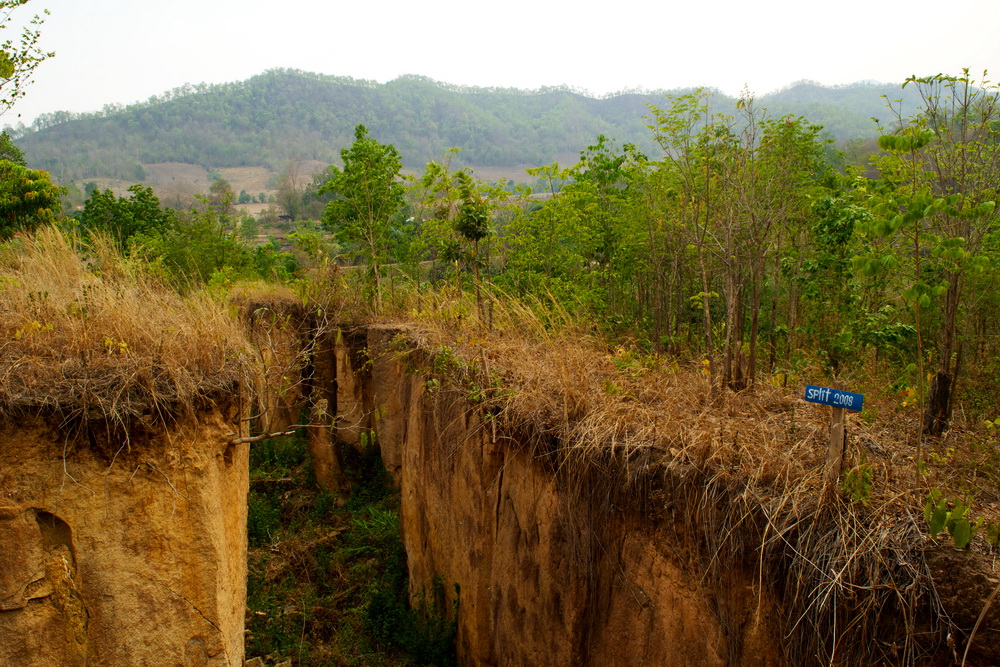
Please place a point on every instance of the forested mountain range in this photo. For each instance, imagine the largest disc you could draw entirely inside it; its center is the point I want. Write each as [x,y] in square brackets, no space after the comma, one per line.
[284,115]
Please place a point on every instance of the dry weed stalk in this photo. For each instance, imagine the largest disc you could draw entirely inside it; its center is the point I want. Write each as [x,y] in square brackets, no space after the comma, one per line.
[101,341]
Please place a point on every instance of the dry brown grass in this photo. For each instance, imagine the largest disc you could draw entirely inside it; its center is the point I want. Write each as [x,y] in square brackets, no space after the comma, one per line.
[100,340]
[743,473]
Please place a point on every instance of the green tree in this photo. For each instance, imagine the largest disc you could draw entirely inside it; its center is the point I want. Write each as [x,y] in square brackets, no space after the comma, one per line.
[821,271]
[769,175]
[311,241]
[581,240]
[122,217]
[738,186]
[473,224]
[437,196]
[195,248]
[937,214]
[222,199]
[367,194]
[687,133]
[28,198]
[313,203]
[547,246]
[249,227]
[10,152]
[605,185]
[290,190]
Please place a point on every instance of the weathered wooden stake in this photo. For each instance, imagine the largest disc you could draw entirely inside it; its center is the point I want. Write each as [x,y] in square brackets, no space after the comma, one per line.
[838,445]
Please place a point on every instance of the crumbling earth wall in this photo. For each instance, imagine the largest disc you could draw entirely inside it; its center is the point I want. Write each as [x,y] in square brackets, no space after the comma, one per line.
[127,557]
[557,565]
[547,574]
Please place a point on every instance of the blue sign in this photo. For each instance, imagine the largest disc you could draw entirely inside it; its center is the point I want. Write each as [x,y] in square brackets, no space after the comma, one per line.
[838,398]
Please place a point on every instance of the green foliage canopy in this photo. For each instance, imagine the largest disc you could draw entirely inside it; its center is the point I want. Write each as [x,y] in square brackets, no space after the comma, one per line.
[123,217]
[28,198]
[198,247]
[9,151]
[367,194]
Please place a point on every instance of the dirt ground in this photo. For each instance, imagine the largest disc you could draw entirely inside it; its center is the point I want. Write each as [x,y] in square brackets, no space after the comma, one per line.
[173,176]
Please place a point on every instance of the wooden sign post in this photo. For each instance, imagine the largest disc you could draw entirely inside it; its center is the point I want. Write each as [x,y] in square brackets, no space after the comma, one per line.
[840,401]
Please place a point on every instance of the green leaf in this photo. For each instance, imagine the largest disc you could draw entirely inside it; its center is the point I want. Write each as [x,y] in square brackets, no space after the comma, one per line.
[888,142]
[938,518]
[961,532]
[6,65]
[993,534]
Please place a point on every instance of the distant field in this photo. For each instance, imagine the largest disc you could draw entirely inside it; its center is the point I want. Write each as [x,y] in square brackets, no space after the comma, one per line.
[176,177]
[251,179]
[177,183]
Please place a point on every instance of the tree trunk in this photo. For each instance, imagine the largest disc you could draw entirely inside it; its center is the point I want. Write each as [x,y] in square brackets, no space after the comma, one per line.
[479,291]
[755,323]
[773,319]
[706,309]
[732,315]
[938,410]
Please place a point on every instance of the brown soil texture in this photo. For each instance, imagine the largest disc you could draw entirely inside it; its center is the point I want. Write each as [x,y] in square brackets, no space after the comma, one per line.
[138,560]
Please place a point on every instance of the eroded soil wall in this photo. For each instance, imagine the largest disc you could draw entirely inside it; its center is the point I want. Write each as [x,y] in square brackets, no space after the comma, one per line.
[549,573]
[139,561]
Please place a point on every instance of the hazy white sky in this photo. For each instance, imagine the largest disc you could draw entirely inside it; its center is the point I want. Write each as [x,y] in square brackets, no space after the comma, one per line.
[123,51]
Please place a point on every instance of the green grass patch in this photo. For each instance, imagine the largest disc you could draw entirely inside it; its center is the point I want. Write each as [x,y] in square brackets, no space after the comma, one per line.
[327,585]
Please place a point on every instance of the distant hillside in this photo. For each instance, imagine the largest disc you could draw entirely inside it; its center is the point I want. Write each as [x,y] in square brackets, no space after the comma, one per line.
[845,112]
[284,115]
